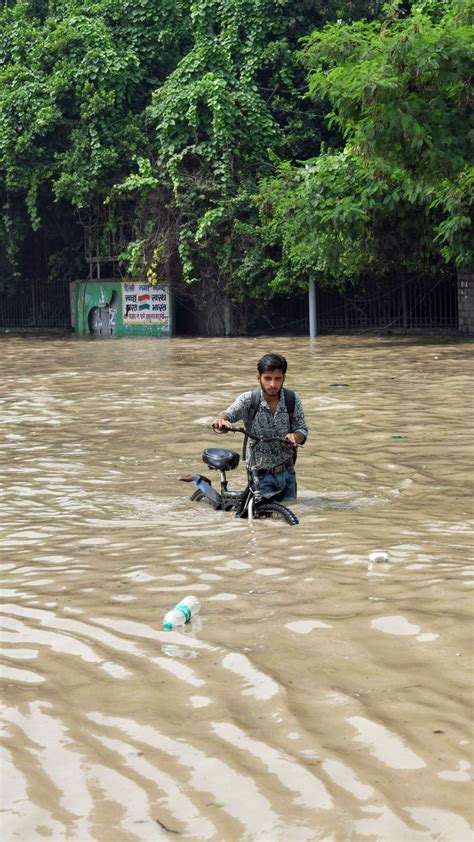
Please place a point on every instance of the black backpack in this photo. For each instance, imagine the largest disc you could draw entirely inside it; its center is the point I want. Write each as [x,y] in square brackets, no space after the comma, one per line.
[290,401]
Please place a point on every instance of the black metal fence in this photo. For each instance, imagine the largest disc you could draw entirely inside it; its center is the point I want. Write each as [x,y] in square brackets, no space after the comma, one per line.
[421,304]
[36,304]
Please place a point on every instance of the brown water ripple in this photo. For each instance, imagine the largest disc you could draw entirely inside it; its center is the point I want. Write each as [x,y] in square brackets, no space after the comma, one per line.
[319,694]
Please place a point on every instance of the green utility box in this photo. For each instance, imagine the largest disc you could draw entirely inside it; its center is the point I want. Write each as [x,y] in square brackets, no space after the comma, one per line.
[120,308]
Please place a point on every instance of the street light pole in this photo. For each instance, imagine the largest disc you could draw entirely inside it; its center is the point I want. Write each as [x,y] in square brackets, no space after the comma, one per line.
[312,310]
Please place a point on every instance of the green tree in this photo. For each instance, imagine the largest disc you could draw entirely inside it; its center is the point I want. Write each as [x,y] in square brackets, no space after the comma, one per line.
[172,108]
[399,192]
[234,103]
[75,78]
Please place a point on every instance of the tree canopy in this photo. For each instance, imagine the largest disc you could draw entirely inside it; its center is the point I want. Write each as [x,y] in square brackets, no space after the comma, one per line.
[75,77]
[398,193]
[255,144]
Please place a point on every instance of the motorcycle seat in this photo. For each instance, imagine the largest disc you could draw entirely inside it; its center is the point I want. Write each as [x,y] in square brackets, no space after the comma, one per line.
[220,458]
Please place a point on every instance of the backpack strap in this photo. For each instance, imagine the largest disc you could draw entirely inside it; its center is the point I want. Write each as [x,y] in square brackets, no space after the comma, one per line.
[254,404]
[290,401]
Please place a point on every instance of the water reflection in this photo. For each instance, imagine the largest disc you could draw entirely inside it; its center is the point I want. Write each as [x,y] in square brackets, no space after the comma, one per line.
[323,692]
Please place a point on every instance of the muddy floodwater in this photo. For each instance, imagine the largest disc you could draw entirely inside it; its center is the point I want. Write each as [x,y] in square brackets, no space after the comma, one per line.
[319,694]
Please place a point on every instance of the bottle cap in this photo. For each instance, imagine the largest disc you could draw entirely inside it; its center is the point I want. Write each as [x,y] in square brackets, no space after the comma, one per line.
[167,626]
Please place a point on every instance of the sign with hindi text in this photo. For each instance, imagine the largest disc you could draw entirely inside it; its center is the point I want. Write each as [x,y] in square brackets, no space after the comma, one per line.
[146,304]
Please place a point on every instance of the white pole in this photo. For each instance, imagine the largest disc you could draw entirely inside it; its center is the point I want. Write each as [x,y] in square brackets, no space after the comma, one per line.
[312,310]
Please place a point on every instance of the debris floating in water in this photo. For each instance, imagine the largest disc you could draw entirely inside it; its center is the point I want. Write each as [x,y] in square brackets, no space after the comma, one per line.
[378,556]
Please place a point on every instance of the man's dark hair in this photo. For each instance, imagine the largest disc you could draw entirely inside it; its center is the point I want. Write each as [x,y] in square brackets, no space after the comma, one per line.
[271,362]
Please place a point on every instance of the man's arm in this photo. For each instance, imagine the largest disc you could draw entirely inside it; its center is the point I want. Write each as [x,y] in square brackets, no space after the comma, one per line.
[300,431]
[235,412]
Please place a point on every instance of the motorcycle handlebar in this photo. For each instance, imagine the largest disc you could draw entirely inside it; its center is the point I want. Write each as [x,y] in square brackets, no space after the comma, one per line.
[255,438]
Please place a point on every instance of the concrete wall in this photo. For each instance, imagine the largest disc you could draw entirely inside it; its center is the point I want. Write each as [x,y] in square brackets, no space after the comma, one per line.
[466,303]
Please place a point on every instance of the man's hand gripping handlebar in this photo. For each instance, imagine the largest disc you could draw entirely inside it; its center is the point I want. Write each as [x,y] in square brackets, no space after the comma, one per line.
[223,425]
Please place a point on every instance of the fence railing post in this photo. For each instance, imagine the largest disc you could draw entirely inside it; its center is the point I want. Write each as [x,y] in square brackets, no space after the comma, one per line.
[312,310]
[404,304]
[33,303]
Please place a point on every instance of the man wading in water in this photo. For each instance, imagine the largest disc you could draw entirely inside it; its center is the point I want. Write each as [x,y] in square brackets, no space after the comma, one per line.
[270,411]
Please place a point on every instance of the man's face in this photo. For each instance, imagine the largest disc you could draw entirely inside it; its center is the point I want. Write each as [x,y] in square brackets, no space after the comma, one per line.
[271,382]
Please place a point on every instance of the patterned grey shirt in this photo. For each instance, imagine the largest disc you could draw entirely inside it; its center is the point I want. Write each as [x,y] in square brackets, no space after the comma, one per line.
[268,454]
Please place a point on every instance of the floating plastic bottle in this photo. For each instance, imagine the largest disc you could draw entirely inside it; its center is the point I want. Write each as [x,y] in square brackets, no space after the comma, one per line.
[181,613]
